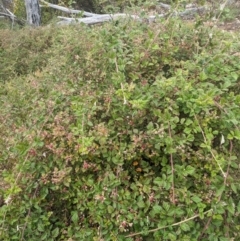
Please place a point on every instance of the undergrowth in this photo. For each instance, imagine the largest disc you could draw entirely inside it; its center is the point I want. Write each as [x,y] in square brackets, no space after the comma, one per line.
[125,131]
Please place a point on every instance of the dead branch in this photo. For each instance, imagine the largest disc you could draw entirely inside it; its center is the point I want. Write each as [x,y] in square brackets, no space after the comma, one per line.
[92,18]
[8,14]
[67,10]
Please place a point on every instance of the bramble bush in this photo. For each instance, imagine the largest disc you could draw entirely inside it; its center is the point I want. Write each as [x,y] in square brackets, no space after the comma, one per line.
[125,131]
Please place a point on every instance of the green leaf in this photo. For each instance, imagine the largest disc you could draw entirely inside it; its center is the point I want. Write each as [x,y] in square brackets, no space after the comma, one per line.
[150,126]
[237,134]
[231,206]
[238,207]
[40,227]
[221,207]
[157,209]
[234,188]
[158,181]
[179,212]
[44,236]
[234,75]
[185,227]
[55,232]
[74,217]
[189,170]
[188,122]
[201,215]
[89,123]
[110,209]
[155,47]
[141,204]
[166,206]
[224,239]
[203,76]
[220,190]
[196,199]
[172,237]
[217,217]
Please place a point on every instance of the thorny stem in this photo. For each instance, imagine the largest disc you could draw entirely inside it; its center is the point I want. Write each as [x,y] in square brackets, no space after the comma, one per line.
[122,87]
[115,60]
[219,199]
[124,98]
[230,153]
[167,226]
[28,215]
[172,167]
[205,140]
[205,228]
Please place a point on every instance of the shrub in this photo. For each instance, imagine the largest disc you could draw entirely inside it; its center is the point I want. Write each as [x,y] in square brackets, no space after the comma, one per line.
[127,132]
[23,52]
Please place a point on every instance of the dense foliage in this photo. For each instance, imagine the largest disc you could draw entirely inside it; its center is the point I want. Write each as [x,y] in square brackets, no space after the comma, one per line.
[126,131]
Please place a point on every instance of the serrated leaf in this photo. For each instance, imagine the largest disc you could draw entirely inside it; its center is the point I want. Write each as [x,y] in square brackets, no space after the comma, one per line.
[172,237]
[90,123]
[74,217]
[217,217]
[201,215]
[188,122]
[196,199]
[166,206]
[40,227]
[224,239]
[110,209]
[231,206]
[158,181]
[235,75]
[185,227]
[186,238]
[189,170]
[220,190]
[55,232]
[135,131]
[155,47]
[150,126]
[237,134]
[141,204]
[238,207]
[44,236]
[234,188]
[187,130]
[157,209]
[203,76]
[179,212]
[234,164]
[221,208]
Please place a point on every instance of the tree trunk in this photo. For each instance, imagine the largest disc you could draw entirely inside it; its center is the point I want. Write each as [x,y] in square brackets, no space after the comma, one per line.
[33,12]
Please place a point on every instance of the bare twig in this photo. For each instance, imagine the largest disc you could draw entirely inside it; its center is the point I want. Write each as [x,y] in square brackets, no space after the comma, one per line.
[205,228]
[8,14]
[172,167]
[220,197]
[68,10]
[205,140]
[167,226]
